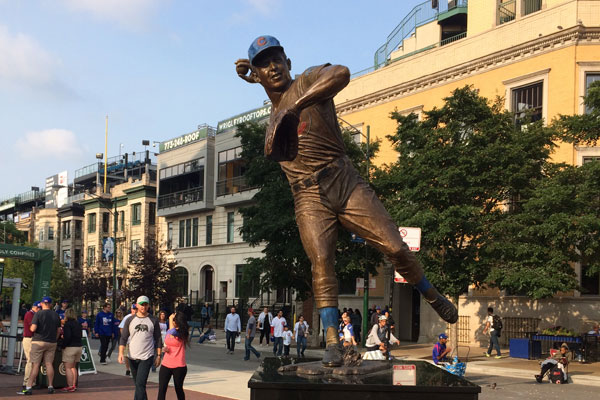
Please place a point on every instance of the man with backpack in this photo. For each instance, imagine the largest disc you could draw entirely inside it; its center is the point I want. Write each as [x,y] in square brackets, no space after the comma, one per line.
[493,324]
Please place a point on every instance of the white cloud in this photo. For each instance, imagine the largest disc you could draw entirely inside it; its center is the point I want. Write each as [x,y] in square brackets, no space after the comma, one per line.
[26,63]
[52,144]
[130,14]
[265,7]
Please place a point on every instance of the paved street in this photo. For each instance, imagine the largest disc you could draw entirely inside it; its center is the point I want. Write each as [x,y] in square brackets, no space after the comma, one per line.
[215,375]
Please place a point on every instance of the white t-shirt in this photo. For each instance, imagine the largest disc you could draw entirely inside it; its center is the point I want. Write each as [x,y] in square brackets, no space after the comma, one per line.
[287,337]
[490,319]
[277,325]
[122,324]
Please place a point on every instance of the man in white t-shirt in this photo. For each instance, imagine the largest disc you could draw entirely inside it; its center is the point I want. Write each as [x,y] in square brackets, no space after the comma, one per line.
[489,326]
[278,323]
[141,332]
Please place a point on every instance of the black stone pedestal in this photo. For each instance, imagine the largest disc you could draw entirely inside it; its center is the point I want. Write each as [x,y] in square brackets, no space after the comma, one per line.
[432,383]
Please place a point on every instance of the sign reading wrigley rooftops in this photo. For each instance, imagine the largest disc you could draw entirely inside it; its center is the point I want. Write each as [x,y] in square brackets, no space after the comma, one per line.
[250,116]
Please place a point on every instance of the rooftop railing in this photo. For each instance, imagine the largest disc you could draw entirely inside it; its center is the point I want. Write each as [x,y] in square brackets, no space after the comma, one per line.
[182,197]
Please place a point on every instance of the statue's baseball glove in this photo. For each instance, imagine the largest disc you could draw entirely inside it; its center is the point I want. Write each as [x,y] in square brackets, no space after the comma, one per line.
[281,139]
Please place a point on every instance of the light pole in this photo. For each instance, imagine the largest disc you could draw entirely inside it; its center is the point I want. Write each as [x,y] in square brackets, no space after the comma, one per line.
[365,322]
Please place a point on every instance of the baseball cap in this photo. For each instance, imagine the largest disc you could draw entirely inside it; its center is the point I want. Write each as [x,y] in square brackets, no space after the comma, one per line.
[564,345]
[443,336]
[382,318]
[84,311]
[142,300]
[251,310]
[46,299]
[36,304]
[65,301]
[378,308]
[134,306]
[261,44]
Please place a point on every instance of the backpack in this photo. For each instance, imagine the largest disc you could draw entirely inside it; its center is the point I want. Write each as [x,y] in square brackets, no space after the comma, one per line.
[496,323]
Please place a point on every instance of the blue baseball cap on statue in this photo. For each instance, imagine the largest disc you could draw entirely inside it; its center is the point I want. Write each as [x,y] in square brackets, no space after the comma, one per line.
[261,44]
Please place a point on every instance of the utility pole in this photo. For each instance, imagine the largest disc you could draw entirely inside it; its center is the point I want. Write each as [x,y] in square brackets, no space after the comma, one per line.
[365,326]
[114,293]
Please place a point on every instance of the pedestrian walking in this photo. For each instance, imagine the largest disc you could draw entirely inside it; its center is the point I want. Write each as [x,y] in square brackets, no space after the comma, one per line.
[104,330]
[278,323]
[114,342]
[45,326]
[287,340]
[250,333]
[300,335]
[264,324]
[121,325]
[492,325]
[233,327]
[206,314]
[72,349]
[85,322]
[27,336]
[142,332]
[173,363]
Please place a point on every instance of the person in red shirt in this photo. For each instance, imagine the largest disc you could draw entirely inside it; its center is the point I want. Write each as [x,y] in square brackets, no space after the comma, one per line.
[173,363]
[27,335]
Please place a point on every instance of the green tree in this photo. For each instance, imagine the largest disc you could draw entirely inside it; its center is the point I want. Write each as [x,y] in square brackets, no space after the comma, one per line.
[271,221]
[457,169]
[10,234]
[152,274]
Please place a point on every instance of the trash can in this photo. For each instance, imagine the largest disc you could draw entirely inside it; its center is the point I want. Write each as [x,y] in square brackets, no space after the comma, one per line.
[60,375]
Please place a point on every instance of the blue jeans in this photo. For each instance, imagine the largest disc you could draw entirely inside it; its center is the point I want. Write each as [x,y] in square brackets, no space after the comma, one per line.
[278,346]
[203,338]
[249,348]
[494,342]
[301,345]
[139,371]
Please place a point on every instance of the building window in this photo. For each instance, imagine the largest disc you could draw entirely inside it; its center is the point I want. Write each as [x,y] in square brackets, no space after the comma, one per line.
[169,235]
[507,11]
[105,222]
[230,219]
[91,255]
[77,259]
[194,231]
[588,159]
[152,213]
[122,217]
[134,251]
[66,259]
[181,184]
[232,167]
[531,6]
[78,229]
[50,233]
[181,281]
[136,214]
[589,79]
[250,289]
[209,229]
[188,232]
[182,233]
[590,283]
[41,235]
[66,230]
[527,102]
[92,223]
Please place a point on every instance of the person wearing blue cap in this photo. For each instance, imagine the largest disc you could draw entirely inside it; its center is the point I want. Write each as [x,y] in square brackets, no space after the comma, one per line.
[304,136]
[440,350]
[63,307]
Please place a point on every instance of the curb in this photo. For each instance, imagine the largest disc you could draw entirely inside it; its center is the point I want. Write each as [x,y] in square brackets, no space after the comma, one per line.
[527,374]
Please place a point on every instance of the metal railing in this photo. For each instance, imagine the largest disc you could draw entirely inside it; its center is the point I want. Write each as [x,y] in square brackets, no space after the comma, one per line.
[453,38]
[232,186]
[182,197]
[507,11]
[463,328]
[419,15]
[531,6]
[517,328]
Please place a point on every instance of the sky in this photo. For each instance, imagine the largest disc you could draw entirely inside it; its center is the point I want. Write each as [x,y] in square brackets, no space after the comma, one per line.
[157,68]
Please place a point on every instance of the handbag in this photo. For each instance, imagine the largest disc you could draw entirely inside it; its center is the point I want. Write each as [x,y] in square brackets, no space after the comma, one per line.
[238,339]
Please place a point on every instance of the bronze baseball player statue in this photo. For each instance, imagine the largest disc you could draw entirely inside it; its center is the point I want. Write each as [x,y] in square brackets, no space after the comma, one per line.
[303,135]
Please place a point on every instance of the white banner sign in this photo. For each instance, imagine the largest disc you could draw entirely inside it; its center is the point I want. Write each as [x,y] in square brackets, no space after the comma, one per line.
[412,237]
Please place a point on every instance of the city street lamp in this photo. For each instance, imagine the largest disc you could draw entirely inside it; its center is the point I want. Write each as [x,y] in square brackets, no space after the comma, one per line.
[365,322]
